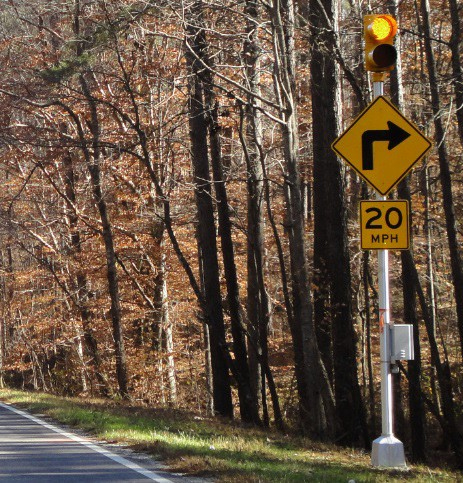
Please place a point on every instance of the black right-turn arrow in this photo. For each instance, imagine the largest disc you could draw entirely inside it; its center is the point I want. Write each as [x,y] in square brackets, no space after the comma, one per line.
[395,135]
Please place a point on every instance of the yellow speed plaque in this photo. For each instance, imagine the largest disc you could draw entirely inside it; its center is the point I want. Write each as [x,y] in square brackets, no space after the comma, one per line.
[384,225]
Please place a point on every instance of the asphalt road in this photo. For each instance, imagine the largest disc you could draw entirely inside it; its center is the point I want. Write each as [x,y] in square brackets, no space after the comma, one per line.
[34,451]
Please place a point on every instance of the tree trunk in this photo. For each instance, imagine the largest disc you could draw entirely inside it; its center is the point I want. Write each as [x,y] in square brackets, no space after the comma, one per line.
[430,288]
[415,403]
[448,422]
[8,292]
[416,406]
[170,361]
[91,343]
[258,335]
[445,176]
[457,70]
[257,302]
[93,165]
[240,369]
[248,403]
[206,224]
[161,330]
[371,384]
[330,212]
[316,401]
[443,371]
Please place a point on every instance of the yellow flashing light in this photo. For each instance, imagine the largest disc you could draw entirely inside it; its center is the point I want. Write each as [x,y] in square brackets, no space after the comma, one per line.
[382,27]
[379,33]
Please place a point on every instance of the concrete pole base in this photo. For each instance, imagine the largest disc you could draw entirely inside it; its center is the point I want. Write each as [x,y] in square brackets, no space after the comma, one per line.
[388,451]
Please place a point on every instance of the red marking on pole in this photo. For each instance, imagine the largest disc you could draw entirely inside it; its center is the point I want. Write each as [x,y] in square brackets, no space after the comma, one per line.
[381,319]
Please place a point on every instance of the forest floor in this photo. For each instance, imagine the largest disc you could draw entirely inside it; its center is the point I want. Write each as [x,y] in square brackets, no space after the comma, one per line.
[221,450]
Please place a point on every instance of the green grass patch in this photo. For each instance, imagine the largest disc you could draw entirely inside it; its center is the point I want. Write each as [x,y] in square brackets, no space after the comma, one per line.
[223,450]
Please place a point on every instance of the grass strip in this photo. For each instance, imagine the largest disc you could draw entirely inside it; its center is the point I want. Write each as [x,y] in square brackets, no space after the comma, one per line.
[223,450]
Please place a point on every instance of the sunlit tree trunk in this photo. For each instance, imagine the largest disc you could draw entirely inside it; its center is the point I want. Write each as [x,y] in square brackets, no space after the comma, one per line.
[81,277]
[430,282]
[257,304]
[161,324]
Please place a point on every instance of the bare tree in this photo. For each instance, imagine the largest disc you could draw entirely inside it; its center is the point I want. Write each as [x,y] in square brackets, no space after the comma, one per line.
[316,399]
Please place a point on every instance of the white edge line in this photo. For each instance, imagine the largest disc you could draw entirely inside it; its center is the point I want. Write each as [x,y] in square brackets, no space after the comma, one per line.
[118,459]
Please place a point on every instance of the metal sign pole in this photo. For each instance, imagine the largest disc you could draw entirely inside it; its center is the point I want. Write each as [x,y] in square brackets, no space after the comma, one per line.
[387,450]
[383,169]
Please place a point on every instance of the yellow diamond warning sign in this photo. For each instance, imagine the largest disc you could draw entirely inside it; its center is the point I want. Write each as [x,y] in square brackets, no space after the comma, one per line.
[382,145]
[384,225]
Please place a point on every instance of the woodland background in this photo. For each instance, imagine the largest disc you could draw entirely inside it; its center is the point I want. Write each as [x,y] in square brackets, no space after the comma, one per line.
[176,230]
